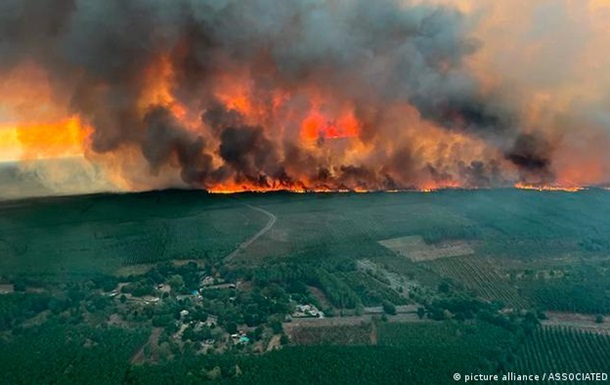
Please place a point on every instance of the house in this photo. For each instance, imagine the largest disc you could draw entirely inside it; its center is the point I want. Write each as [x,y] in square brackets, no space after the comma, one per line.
[149,299]
[240,337]
[307,310]
[211,321]
[218,287]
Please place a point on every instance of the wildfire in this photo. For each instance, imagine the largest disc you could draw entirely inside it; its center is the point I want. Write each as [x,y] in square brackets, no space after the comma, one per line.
[319,105]
[319,126]
[158,89]
[538,187]
[33,122]
[41,140]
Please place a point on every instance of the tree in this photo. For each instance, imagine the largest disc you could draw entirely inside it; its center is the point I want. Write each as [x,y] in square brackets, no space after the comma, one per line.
[214,374]
[123,298]
[444,287]
[421,312]
[276,326]
[599,319]
[99,302]
[258,333]
[231,327]
[389,308]
[176,282]
[284,339]
[541,315]
[162,320]
[19,285]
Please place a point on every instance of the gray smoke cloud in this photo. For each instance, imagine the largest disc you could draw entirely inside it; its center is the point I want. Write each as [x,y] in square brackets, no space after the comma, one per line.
[373,54]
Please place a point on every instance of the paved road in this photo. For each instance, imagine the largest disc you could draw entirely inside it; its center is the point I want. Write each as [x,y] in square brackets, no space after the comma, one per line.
[244,245]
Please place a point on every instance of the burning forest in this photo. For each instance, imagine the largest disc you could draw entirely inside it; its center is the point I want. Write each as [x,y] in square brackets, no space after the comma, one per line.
[309,95]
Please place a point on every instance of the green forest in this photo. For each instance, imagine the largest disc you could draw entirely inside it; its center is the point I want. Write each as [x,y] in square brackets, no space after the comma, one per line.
[140,289]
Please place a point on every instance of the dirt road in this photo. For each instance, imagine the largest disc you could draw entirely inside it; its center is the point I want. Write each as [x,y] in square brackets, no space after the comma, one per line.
[153,341]
[584,322]
[244,245]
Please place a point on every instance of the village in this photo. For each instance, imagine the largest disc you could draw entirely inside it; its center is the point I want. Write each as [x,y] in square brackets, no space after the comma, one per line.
[191,308]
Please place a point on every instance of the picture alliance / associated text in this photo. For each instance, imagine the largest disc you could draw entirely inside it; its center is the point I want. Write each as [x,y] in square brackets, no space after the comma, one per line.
[511,376]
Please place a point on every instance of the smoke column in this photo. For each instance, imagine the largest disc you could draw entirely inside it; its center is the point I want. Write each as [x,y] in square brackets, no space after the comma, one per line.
[311,95]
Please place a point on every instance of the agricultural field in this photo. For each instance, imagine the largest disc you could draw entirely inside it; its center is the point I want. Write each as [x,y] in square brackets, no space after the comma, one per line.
[358,334]
[563,350]
[416,249]
[466,346]
[578,287]
[481,279]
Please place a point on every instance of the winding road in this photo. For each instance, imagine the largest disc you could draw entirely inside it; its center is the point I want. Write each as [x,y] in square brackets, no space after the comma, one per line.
[248,242]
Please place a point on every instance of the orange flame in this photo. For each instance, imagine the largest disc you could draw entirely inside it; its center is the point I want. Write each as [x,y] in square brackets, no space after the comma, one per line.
[53,132]
[319,126]
[537,187]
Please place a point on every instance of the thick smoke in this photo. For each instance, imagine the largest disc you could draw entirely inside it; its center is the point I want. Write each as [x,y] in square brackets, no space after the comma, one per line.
[398,67]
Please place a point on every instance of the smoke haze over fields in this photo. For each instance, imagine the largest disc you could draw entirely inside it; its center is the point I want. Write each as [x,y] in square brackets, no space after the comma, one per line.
[306,95]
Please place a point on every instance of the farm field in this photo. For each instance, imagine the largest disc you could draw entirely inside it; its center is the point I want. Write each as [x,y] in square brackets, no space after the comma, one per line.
[479,277]
[416,249]
[563,350]
[356,334]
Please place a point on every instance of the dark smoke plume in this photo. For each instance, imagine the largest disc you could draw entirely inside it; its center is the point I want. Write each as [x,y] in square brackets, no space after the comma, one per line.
[372,55]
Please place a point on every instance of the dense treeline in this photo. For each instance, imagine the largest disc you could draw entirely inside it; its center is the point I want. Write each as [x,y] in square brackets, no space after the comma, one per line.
[462,347]
[53,353]
[342,284]
[17,307]
[320,365]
